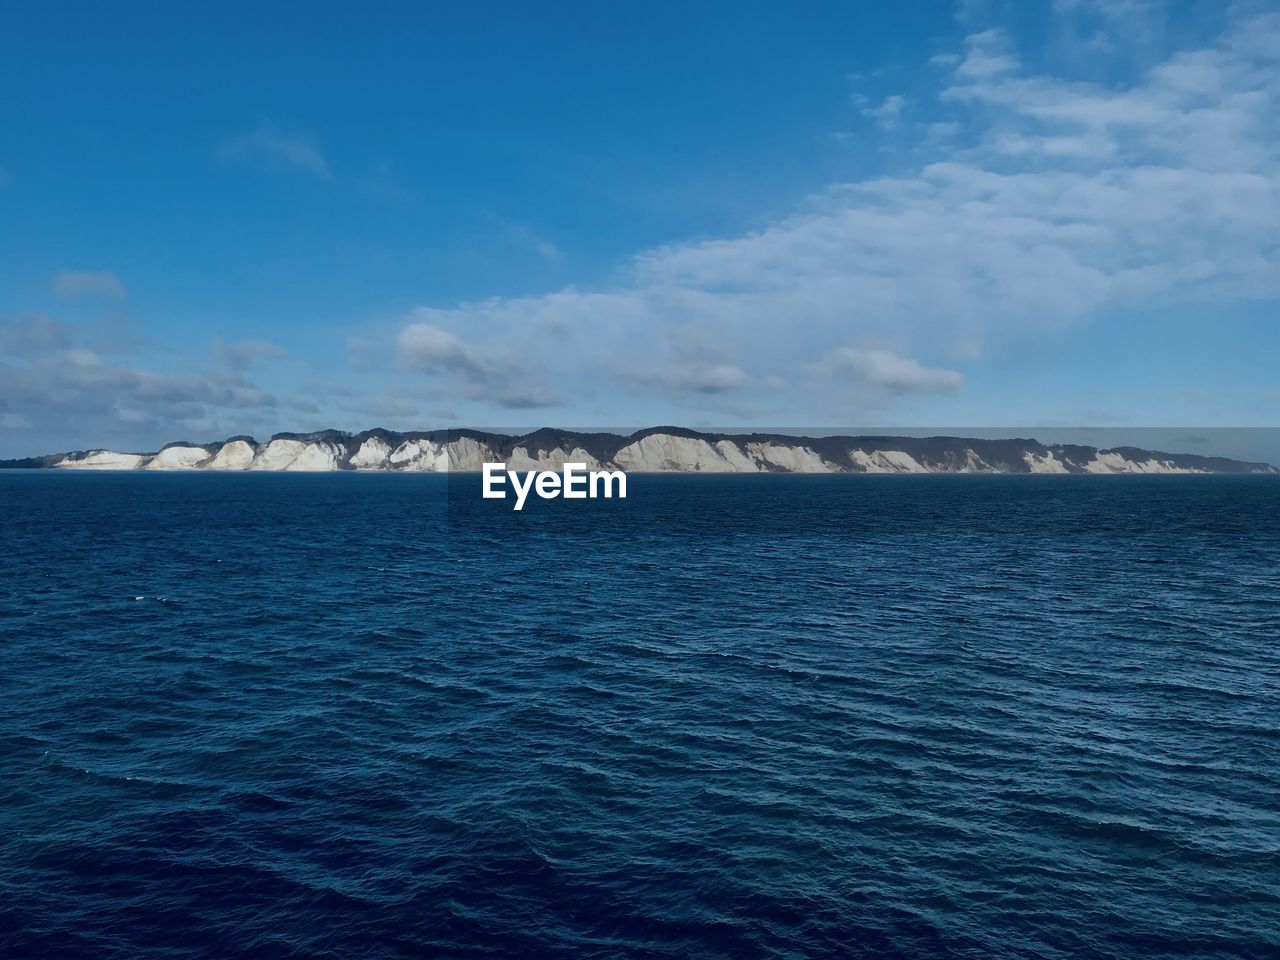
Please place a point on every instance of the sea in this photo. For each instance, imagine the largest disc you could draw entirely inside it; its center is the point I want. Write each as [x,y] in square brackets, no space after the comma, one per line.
[375,716]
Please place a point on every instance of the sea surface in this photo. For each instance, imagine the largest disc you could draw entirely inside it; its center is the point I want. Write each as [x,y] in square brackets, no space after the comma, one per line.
[372,716]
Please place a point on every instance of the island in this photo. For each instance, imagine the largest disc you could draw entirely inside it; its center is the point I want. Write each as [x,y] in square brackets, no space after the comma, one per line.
[656,449]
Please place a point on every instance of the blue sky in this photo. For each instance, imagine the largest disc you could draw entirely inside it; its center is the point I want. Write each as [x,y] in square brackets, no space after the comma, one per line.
[928,214]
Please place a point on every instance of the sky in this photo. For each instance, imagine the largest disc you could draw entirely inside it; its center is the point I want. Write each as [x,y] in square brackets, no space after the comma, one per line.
[740,215]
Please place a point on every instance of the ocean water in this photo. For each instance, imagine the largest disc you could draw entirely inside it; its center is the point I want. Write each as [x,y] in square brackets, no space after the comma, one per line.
[373,716]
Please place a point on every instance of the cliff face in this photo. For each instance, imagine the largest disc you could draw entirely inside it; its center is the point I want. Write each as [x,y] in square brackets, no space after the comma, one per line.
[660,449]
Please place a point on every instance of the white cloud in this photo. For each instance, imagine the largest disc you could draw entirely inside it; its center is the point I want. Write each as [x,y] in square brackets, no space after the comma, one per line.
[989,55]
[428,348]
[525,236]
[704,378]
[75,398]
[881,368]
[888,112]
[494,374]
[246,353]
[33,334]
[64,394]
[390,406]
[95,284]
[1071,201]
[272,147]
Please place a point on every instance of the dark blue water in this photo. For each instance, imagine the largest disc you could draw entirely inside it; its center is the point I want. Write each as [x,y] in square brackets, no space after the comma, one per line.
[354,716]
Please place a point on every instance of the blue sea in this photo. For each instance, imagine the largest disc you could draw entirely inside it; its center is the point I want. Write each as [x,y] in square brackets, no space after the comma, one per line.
[372,716]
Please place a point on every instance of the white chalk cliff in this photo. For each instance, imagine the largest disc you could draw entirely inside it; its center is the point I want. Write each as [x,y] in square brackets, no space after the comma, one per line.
[657,450]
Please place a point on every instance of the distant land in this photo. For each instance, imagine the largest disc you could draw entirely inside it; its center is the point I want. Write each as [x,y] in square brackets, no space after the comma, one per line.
[657,449]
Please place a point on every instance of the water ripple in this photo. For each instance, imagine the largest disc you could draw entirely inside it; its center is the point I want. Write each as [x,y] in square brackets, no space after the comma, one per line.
[731,717]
